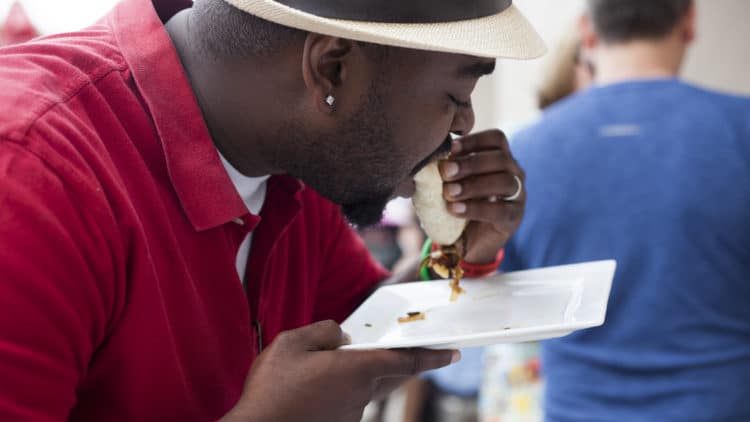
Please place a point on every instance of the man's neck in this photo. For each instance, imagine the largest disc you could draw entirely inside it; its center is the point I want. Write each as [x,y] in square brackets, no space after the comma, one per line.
[638,60]
[212,83]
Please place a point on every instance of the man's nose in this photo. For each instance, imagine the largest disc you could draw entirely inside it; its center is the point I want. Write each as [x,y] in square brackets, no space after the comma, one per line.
[463,122]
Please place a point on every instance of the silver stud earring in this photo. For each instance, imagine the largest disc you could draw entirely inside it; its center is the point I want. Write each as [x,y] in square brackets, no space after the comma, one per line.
[330,100]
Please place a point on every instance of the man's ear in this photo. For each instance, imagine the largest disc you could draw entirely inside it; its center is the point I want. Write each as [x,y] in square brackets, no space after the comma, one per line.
[688,25]
[589,39]
[326,63]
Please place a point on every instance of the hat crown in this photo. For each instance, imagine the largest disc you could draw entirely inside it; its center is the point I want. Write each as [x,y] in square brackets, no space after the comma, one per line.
[482,28]
[400,11]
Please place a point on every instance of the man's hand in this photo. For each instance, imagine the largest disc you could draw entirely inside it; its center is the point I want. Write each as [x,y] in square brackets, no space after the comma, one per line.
[302,377]
[478,176]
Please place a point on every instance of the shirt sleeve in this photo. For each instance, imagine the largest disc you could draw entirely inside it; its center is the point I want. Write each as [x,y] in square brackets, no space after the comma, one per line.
[350,272]
[53,298]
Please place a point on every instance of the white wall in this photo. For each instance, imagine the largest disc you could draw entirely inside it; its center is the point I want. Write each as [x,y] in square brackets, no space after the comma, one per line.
[509,94]
[719,59]
[51,16]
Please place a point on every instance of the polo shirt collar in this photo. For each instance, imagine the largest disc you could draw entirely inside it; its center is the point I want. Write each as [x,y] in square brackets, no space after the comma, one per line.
[204,188]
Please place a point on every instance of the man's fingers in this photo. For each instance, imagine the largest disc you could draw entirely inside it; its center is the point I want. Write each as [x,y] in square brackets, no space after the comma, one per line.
[481,187]
[405,362]
[495,213]
[474,164]
[323,335]
[482,141]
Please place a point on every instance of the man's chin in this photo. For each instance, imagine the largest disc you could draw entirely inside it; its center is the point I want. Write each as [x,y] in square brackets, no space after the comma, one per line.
[405,189]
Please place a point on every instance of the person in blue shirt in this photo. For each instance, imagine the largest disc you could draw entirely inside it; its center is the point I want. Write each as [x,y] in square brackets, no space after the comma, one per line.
[655,173]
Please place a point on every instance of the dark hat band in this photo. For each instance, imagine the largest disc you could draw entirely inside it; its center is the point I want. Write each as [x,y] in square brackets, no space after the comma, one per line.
[400,11]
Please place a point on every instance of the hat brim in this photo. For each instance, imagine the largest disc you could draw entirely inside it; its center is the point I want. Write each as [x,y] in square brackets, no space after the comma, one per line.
[505,35]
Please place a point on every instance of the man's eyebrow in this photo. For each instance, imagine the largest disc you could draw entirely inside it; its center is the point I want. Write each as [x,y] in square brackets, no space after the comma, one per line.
[477,70]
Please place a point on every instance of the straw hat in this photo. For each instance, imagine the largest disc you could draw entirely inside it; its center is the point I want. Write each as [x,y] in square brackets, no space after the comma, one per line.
[484,28]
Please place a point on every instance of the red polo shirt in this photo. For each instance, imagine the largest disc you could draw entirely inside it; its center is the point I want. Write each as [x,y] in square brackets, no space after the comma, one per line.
[119,297]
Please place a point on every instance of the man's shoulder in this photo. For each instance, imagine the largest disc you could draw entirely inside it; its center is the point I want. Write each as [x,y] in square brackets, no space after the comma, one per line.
[582,113]
[711,94]
[38,76]
[719,110]
[651,96]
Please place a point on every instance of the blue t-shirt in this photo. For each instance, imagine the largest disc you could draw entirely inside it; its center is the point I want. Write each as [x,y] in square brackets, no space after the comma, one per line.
[655,174]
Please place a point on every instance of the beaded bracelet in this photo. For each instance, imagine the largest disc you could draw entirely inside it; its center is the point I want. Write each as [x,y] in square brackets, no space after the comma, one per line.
[481,270]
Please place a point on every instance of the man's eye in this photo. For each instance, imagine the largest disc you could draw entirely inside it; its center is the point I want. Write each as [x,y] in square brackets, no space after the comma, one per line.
[462,104]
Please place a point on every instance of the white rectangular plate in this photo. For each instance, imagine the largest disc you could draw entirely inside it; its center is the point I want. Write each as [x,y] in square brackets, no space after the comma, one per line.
[505,308]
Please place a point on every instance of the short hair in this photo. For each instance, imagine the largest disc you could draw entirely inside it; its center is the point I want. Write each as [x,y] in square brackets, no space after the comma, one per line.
[617,21]
[228,32]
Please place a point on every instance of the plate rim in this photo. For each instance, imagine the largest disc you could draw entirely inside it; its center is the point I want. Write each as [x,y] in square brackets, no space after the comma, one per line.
[422,342]
[513,332]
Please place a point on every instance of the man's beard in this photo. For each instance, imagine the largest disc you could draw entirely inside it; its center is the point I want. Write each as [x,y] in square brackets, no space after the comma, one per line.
[355,167]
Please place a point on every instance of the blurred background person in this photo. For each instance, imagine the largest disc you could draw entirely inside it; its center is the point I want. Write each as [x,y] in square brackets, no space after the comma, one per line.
[397,241]
[512,386]
[508,375]
[566,69]
[446,396]
[646,169]
[449,396]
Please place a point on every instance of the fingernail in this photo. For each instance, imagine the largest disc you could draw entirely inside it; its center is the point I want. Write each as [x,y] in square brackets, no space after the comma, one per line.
[455,357]
[453,189]
[456,146]
[458,207]
[450,169]
[347,338]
